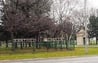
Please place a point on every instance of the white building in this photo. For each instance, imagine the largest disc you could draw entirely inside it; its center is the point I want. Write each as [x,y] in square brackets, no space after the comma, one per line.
[81,37]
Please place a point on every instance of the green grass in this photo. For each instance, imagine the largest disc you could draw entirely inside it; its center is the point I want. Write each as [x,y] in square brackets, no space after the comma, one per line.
[20,55]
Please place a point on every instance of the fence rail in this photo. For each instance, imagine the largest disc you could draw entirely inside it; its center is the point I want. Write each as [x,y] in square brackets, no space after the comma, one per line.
[48,43]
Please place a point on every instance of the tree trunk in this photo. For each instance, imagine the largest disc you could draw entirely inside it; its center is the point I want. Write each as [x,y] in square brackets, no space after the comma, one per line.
[29,44]
[66,44]
[6,43]
[96,40]
[0,43]
[37,40]
[21,45]
[13,44]
[89,42]
[16,45]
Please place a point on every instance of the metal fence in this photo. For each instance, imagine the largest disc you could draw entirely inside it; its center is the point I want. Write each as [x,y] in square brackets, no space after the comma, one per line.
[49,43]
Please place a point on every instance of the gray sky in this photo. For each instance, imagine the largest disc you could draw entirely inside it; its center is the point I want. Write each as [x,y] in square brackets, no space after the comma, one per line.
[92,3]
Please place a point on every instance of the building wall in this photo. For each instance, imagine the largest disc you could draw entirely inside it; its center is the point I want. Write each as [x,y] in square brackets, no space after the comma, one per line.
[80,37]
[80,40]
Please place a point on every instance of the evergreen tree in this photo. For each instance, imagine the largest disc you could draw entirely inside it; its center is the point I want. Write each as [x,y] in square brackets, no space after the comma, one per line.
[93,27]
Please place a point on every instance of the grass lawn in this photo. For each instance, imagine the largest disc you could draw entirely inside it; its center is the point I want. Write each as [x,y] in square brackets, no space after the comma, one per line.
[8,55]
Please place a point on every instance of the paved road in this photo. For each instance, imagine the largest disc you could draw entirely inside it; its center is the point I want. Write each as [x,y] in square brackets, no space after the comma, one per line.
[63,60]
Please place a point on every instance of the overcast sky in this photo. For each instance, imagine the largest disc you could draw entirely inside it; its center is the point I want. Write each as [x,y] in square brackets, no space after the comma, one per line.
[92,3]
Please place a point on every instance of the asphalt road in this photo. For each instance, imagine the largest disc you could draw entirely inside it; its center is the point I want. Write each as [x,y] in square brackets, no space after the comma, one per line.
[59,60]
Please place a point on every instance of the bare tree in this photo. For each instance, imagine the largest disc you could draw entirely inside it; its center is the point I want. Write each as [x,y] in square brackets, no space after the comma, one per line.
[62,12]
[63,8]
[26,16]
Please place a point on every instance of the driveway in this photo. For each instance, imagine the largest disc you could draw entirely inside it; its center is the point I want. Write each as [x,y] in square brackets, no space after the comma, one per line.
[59,60]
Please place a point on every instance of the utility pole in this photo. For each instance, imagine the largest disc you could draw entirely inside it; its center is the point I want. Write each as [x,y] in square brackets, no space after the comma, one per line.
[85,25]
